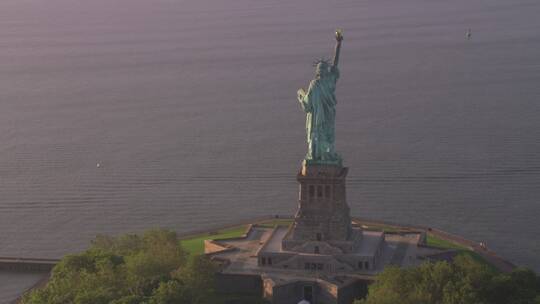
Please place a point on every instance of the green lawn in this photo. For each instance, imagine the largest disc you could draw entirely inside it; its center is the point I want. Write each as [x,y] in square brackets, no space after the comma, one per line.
[438,242]
[463,250]
[384,228]
[274,222]
[195,244]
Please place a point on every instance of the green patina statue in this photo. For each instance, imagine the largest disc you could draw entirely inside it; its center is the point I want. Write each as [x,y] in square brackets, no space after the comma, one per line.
[320,105]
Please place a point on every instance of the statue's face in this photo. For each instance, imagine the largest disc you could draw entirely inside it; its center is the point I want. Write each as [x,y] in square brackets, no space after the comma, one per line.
[322,69]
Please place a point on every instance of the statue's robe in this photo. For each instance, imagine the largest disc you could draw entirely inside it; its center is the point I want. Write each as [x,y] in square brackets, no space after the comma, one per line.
[320,105]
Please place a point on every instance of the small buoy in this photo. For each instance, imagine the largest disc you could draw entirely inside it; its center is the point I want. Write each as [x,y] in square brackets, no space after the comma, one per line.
[469,34]
[98,165]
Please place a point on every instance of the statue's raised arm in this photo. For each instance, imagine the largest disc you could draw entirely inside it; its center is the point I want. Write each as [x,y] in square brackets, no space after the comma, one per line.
[339,38]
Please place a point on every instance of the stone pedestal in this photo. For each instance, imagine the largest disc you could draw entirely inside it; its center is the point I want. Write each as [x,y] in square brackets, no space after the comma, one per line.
[323,214]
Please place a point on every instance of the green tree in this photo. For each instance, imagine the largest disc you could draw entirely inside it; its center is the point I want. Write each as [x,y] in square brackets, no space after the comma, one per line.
[122,270]
[171,292]
[198,277]
[464,281]
[522,286]
[130,299]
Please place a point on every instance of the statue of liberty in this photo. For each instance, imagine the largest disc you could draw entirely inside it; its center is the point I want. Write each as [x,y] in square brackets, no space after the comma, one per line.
[320,105]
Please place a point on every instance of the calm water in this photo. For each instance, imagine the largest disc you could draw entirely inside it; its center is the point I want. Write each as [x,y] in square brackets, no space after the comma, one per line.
[190,108]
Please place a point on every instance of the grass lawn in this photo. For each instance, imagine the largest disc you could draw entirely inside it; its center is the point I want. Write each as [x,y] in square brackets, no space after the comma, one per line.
[195,244]
[384,228]
[438,242]
[274,222]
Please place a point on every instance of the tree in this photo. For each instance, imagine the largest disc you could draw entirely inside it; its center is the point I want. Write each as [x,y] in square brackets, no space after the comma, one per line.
[129,269]
[171,292]
[464,281]
[198,277]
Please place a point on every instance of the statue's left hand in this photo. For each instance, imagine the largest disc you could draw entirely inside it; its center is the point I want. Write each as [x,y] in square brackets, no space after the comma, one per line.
[301,94]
